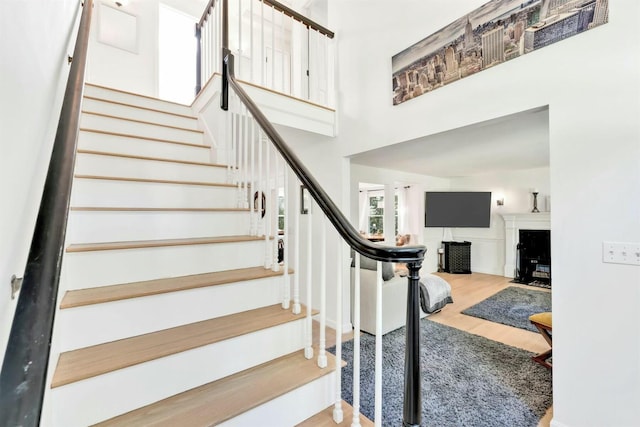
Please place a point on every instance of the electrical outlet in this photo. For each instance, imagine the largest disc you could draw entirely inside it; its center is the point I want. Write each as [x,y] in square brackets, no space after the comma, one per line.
[621,253]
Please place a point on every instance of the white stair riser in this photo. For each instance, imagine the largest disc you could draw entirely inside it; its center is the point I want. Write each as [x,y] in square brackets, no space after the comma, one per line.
[142,147]
[99,268]
[109,124]
[106,226]
[95,399]
[132,112]
[95,164]
[99,192]
[142,101]
[95,324]
[291,408]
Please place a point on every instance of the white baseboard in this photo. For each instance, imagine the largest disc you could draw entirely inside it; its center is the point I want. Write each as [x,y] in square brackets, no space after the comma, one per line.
[555,423]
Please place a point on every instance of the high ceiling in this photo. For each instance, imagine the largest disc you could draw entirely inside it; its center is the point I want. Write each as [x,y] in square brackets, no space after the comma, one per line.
[518,141]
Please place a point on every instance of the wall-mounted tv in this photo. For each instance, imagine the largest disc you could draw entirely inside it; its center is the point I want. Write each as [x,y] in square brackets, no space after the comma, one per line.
[457,209]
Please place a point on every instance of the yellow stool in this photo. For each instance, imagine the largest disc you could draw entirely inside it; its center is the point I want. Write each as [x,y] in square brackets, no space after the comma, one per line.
[543,322]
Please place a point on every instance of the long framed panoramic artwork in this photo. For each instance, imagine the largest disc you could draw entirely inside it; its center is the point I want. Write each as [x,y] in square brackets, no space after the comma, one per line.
[496,32]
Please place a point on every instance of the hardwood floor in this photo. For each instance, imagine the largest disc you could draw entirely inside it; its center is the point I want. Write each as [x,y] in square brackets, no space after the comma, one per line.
[467,290]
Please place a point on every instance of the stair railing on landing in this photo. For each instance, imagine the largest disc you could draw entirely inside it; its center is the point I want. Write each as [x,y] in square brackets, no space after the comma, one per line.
[252,132]
[279,49]
[24,370]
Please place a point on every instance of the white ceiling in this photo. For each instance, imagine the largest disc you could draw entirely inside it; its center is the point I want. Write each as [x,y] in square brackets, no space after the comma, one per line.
[518,141]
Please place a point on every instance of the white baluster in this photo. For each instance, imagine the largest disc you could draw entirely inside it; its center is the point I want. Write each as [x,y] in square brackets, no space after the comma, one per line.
[355,421]
[322,356]
[247,142]
[217,49]
[378,369]
[275,266]
[251,41]
[308,351]
[338,414]
[229,144]
[286,238]
[238,61]
[273,48]
[296,251]
[282,17]
[239,171]
[262,57]
[204,46]
[331,72]
[267,217]
[253,208]
[207,53]
[260,223]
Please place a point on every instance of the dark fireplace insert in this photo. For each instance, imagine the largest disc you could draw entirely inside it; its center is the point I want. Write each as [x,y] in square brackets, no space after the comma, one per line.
[534,257]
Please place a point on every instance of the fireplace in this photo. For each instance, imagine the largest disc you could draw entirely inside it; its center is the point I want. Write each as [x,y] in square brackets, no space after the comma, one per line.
[534,257]
[513,224]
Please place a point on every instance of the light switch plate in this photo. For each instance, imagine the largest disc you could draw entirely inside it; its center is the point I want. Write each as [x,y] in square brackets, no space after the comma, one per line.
[621,253]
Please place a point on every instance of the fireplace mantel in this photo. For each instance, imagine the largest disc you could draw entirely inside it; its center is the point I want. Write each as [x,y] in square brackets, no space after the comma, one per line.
[513,223]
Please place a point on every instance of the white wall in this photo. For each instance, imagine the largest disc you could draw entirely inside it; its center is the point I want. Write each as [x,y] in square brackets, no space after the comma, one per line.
[590,83]
[114,67]
[134,72]
[33,73]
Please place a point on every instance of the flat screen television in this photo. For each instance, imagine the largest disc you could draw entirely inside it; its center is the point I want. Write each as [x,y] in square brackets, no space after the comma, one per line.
[457,209]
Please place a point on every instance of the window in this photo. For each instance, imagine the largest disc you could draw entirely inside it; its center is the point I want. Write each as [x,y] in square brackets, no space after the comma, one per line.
[376,213]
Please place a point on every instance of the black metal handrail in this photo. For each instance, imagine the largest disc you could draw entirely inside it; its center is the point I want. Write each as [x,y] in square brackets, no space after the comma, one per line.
[412,255]
[24,370]
[334,214]
[277,6]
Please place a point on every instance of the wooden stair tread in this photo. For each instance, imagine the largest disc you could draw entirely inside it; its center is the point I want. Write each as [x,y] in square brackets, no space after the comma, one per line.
[145,209]
[139,95]
[155,181]
[144,122]
[221,400]
[155,110]
[102,294]
[77,365]
[325,418]
[154,159]
[140,244]
[146,138]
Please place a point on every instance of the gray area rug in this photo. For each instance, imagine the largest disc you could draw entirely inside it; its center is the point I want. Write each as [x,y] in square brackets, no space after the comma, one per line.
[467,380]
[512,306]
